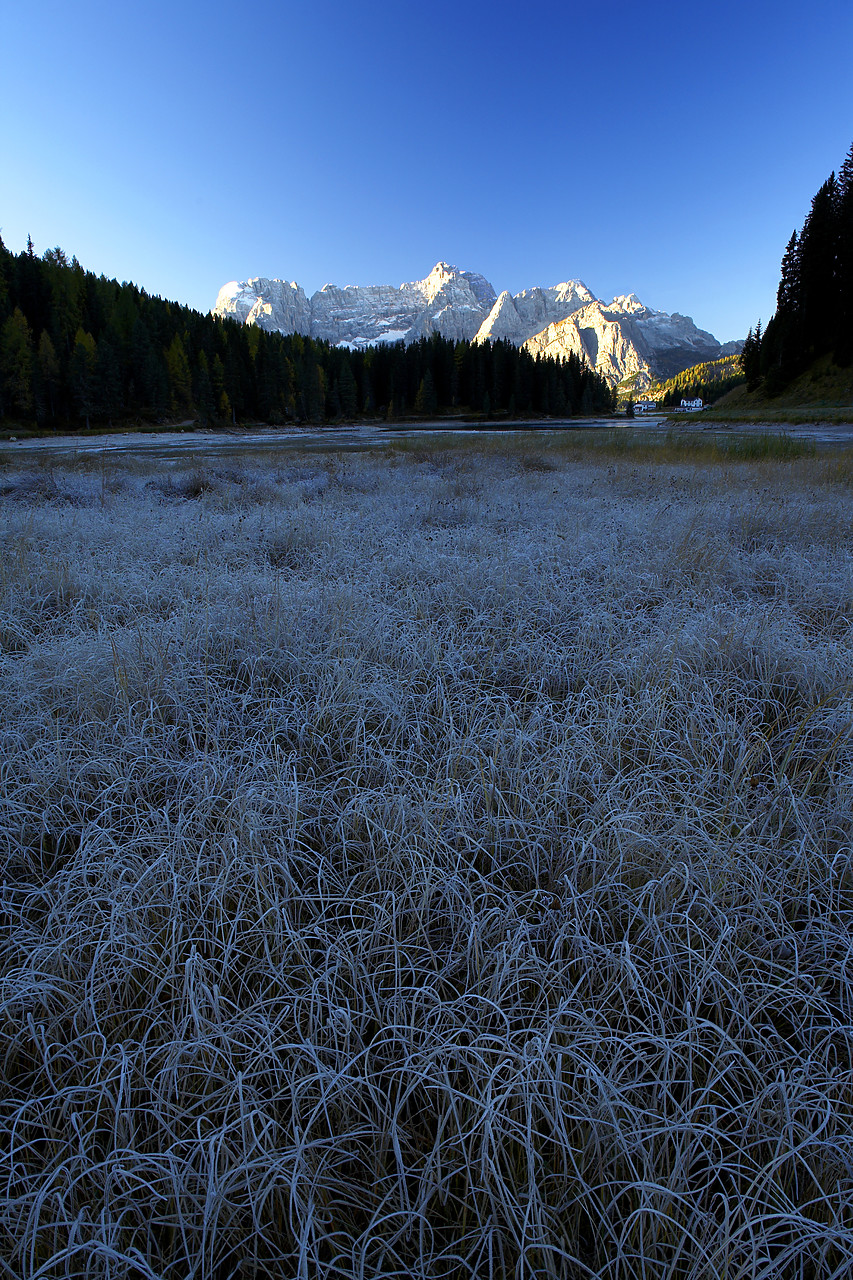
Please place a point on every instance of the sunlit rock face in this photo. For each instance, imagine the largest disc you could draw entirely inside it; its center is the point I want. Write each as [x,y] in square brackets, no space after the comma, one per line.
[515,319]
[607,342]
[624,337]
[618,339]
[274,305]
[456,303]
[673,341]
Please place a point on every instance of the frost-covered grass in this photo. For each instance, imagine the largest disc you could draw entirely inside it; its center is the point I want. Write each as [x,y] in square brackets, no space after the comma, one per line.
[427,864]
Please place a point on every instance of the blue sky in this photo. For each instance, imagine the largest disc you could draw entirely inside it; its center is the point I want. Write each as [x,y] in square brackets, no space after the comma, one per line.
[667,149]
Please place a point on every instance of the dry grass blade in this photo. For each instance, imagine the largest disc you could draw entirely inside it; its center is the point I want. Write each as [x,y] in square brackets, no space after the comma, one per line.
[428,865]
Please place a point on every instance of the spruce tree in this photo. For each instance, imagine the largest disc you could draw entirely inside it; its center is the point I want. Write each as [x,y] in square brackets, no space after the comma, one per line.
[818,252]
[49,374]
[425,400]
[180,383]
[83,372]
[16,365]
[844,338]
[347,390]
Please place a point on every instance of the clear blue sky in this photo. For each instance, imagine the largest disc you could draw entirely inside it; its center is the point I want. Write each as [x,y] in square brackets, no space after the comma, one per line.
[662,148]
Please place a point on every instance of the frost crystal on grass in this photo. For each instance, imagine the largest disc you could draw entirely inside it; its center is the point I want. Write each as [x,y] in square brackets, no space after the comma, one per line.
[428,864]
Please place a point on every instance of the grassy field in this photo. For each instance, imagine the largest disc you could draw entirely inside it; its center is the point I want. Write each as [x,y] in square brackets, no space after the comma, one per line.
[428,863]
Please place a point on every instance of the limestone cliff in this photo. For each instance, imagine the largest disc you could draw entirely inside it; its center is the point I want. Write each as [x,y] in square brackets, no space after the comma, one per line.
[270,304]
[619,339]
[447,301]
[624,338]
[518,318]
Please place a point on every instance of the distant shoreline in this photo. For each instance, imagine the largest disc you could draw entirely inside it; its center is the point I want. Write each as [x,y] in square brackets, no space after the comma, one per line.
[176,439]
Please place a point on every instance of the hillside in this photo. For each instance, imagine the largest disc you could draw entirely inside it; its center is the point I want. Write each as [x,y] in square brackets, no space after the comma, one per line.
[709,381]
[823,390]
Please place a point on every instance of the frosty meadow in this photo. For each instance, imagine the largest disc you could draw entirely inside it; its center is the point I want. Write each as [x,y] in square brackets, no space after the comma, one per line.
[432,862]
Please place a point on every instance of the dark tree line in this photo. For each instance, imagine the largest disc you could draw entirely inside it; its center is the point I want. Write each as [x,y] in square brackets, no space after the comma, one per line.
[814,302]
[76,348]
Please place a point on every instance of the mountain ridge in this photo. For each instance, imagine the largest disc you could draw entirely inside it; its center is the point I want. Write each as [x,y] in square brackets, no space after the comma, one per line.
[619,339]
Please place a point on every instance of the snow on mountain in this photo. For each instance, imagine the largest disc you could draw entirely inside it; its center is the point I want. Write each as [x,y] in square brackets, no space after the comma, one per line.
[455,303]
[448,301]
[618,339]
[270,304]
[363,314]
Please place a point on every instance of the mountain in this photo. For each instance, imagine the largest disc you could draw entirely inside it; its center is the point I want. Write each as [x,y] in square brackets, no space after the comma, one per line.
[521,317]
[620,339]
[448,301]
[273,305]
[626,339]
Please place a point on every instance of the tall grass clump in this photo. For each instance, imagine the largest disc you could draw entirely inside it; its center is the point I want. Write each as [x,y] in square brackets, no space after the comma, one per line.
[427,865]
[768,444]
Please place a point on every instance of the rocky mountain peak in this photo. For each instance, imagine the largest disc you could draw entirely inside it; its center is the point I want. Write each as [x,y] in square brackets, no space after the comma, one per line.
[480,287]
[441,275]
[518,318]
[502,322]
[618,338]
[629,303]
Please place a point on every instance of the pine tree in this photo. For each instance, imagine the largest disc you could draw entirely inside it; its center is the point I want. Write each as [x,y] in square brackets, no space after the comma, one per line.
[49,373]
[58,257]
[315,393]
[83,371]
[347,390]
[844,337]
[217,381]
[814,302]
[750,358]
[818,253]
[180,383]
[368,403]
[204,396]
[425,400]
[16,365]
[5,265]
[788,298]
[108,394]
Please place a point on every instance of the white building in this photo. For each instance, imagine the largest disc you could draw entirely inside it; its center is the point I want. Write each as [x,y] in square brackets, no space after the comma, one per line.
[690,406]
[646,406]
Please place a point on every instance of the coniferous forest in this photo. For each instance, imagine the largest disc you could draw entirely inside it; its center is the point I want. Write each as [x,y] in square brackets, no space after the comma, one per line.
[78,350]
[814,302]
[708,381]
